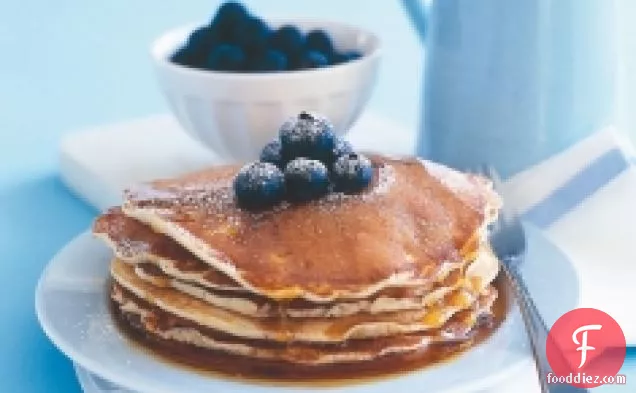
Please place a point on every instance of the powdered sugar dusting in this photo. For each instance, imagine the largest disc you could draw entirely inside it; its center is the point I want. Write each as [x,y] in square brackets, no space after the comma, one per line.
[475,190]
[129,249]
[304,167]
[386,178]
[217,197]
[457,181]
[383,180]
[146,191]
[255,173]
[306,126]
[350,165]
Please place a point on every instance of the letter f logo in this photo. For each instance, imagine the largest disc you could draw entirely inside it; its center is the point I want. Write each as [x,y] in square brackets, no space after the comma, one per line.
[583,344]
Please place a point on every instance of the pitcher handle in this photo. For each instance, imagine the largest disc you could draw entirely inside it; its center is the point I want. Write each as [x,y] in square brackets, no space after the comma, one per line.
[415,10]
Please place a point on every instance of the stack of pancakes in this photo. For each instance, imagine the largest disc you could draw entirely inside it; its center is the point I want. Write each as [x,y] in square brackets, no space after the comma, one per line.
[348,278]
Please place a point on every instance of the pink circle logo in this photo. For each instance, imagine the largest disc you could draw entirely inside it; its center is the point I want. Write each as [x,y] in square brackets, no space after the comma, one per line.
[586,348]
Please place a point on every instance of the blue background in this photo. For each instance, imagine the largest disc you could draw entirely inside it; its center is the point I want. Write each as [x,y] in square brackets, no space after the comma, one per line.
[69,64]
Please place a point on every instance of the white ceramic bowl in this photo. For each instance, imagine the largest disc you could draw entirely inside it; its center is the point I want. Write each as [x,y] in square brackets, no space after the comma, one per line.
[236,114]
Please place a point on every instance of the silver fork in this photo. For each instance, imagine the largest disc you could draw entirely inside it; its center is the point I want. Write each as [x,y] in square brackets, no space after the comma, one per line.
[508,240]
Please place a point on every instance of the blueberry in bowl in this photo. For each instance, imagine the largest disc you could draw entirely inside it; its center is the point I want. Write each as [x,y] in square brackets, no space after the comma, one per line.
[234,25]
[319,40]
[268,60]
[289,40]
[252,35]
[200,43]
[226,57]
[313,59]
[229,15]
[340,58]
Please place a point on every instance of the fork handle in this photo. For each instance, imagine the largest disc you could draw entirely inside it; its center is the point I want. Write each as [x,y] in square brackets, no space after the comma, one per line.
[536,328]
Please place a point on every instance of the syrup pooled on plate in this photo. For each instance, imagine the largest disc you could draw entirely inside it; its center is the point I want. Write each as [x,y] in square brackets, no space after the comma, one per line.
[224,365]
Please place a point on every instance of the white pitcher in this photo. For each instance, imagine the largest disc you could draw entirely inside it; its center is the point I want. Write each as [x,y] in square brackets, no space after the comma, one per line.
[511,82]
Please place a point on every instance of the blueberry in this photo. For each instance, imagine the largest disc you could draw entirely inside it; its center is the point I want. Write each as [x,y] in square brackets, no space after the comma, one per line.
[339,58]
[340,148]
[199,44]
[313,59]
[229,15]
[202,39]
[306,180]
[289,40]
[320,41]
[307,135]
[295,61]
[351,173]
[186,57]
[269,60]
[352,55]
[226,57]
[251,35]
[259,185]
[272,153]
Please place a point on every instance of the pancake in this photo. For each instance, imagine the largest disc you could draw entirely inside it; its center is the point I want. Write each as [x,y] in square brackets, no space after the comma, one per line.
[153,322]
[134,242]
[415,219]
[394,270]
[480,274]
[321,330]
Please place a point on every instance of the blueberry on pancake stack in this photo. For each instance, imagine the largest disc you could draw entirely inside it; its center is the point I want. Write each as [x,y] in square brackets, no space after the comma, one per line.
[313,256]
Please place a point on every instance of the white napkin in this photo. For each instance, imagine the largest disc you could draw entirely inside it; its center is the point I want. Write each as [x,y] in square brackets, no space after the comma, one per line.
[585,200]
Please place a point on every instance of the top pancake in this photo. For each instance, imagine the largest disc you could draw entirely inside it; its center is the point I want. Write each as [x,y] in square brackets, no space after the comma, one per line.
[415,217]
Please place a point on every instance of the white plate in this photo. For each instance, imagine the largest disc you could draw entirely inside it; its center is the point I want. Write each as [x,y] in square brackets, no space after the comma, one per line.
[71,304]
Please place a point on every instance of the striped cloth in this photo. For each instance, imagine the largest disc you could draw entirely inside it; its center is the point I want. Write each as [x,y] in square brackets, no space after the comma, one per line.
[585,201]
